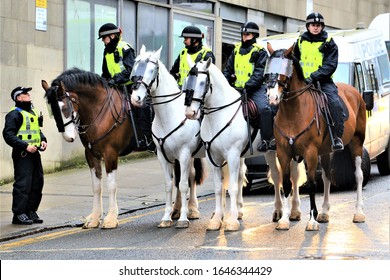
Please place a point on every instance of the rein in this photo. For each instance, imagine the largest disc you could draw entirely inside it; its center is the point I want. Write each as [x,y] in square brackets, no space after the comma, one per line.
[119,117]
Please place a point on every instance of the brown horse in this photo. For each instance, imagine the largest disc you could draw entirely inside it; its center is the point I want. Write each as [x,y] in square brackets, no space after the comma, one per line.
[301,132]
[81,102]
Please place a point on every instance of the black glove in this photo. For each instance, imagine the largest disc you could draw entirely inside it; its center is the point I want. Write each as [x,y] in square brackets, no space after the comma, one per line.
[111,83]
[309,81]
[232,79]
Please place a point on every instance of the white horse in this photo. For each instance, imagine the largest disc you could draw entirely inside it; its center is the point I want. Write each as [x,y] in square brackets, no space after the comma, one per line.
[224,132]
[176,138]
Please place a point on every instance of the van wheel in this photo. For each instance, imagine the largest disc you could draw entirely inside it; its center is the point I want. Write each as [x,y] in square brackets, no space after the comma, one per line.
[383,161]
[366,166]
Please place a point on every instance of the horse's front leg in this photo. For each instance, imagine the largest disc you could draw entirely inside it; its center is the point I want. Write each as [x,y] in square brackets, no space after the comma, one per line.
[185,166]
[240,198]
[167,168]
[111,219]
[284,221]
[93,219]
[312,162]
[220,184]
[231,222]
[193,205]
[276,177]
[296,202]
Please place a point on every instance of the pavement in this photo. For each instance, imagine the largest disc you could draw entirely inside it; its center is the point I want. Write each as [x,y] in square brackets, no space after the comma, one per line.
[67,196]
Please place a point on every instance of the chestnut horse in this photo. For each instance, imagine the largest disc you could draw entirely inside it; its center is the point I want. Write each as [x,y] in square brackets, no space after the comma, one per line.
[81,102]
[302,132]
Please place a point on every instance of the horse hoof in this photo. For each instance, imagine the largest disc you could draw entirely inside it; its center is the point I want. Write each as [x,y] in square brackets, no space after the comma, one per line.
[323,218]
[312,226]
[213,226]
[232,226]
[359,218]
[165,224]
[110,224]
[193,214]
[91,224]
[182,224]
[175,215]
[277,215]
[295,215]
[283,225]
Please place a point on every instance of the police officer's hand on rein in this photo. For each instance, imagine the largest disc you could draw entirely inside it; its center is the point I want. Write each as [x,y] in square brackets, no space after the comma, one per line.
[111,83]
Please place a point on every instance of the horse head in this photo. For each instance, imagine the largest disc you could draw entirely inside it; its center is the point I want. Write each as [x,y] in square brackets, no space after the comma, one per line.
[144,75]
[278,72]
[196,86]
[60,107]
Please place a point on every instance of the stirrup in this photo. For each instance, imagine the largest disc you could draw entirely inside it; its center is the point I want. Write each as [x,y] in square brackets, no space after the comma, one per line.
[338,145]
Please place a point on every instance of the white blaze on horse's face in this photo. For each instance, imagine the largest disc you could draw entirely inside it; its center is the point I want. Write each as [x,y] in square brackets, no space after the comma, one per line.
[274,94]
[145,73]
[68,116]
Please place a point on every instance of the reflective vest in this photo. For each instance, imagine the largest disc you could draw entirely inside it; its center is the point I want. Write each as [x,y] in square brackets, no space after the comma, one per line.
[184,68]
[311,57]
[243,68]
[29,131]
[117,67]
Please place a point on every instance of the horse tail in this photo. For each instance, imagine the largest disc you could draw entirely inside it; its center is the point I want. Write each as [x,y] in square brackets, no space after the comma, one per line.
[200,171]
[343,170]
[177,173]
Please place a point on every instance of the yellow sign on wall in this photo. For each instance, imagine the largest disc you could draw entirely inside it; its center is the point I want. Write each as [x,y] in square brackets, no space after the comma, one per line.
[41,4]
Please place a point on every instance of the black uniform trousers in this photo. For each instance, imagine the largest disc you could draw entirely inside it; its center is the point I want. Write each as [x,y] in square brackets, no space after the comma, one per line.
[28,185]
[265,113]
[335,107]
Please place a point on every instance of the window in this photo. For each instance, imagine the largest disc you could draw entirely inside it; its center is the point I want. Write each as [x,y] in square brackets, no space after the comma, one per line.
[152,29]
[195,5]
[83,20]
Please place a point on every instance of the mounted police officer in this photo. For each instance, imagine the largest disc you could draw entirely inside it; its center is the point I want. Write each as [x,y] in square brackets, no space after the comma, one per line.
[244,70]
[118,61]
[318,55]
[194,47]
[22,132]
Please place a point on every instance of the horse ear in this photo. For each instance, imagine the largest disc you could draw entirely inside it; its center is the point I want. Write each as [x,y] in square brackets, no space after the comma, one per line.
[208,62]
[143,49]
[189,61]
[289,50]
[269,48]
[158,53]
[44,85]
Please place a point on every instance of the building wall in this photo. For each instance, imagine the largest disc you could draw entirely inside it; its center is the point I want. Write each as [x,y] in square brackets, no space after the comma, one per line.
[29,55]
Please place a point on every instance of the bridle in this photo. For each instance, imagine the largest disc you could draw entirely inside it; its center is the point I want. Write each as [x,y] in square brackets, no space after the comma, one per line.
[189,89]
[67,111]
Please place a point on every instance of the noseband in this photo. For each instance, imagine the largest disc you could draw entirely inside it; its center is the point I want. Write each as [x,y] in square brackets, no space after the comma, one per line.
[138,76]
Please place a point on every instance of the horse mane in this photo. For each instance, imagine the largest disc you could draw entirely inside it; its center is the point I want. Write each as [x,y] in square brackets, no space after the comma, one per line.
[74,77]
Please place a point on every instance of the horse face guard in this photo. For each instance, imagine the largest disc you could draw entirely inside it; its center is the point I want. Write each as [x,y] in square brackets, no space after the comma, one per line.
[142,74]
[278,69]
[191,83]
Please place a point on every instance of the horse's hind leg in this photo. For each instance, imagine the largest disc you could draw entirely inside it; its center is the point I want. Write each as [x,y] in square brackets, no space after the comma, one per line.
[312,161]
[93,219]
[359,216]
[193,205]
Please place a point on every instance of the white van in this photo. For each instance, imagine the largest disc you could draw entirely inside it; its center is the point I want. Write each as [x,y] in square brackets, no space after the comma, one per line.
[363,63]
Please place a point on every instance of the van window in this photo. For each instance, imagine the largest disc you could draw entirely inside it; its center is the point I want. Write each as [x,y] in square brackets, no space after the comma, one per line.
[358,82]
[384,68]
[342,73]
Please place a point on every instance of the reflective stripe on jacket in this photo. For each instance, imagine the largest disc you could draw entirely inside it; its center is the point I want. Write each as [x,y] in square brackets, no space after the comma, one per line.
[184,68]
[243,68]
[29,131]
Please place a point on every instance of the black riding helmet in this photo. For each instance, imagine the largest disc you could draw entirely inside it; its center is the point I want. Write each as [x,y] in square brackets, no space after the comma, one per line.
[108,29]
[315,18]
[191,32]
[250,27]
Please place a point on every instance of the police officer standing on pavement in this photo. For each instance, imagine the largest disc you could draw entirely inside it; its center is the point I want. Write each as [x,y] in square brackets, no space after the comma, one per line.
[22,132]
[118,61]
[318,55]
[245,70]
[194,47]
